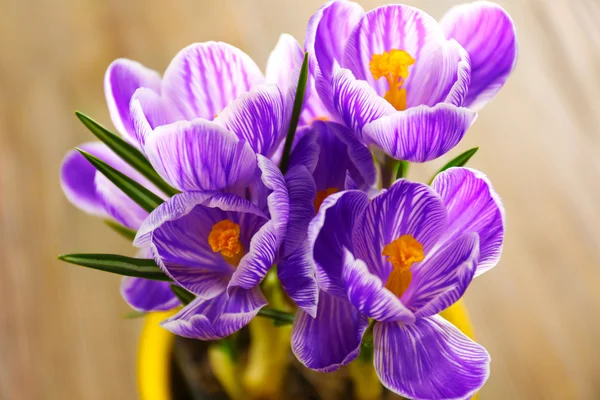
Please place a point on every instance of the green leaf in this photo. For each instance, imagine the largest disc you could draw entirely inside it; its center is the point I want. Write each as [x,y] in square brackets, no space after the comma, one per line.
[127,152]
[459,161]
[135,314]
[127,233]
[402,169]
[279,317]
[117,264]
[183,295]
[136,192]
[289,140]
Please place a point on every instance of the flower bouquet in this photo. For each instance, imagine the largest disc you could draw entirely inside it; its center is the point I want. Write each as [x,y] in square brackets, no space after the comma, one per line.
[271,212]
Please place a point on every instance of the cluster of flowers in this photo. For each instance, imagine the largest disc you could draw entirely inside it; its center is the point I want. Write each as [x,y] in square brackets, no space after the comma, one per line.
[388,84]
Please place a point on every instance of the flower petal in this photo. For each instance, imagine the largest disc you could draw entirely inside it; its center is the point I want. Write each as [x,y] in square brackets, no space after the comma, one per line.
[178,231]
[297,275]
[302,191]
[357,102]
[266,242]
[332,339]
[441,279]
[473,206]
[407,208]
[488,34]
[116,203]
[306,149]
[421,133]
[367,294]
[200,155]
[204,78]
[147,295]
[218,317]
[77,178]
[123,77]
[326,37]
[330,232]
[260,117]
[284,63]
[430,359]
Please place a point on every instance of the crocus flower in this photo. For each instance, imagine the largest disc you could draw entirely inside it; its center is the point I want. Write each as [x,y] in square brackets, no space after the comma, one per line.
[219,246]
[399,260]
[404,82]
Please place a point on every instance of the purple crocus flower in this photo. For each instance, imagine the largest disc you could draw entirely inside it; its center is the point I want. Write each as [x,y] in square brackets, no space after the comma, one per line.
[217,245]
[404,82]
[399,260]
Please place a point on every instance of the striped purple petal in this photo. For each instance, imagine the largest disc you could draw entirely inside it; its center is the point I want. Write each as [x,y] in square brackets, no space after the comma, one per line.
[473,206]
[430,359]
[327,33]
[204,78]
[421,133]
[332,339]
[442,278]
[122,79]
[407,208]
[330,232]
[200,155]
[146,295]
[218,317]
[488,34]
[367,294]
[260,117]
[283,66]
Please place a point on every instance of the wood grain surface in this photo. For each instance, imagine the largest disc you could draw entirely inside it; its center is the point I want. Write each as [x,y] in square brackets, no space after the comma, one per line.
[62,332]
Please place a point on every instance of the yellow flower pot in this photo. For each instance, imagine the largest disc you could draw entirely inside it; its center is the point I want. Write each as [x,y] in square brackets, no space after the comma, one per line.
[155,345]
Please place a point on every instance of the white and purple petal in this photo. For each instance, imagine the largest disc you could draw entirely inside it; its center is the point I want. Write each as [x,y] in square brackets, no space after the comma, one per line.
[473,206]
[488,34]
[204,78]
[200,155]
[420,133]
[333,338]
[147,295]
[216,318]
[430,359]
[367,294]
[407,208]
[442,278]
[123,77]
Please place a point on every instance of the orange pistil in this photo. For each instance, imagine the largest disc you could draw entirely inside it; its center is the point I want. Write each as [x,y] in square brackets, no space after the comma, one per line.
[393,66]
[402,253]
[224,238]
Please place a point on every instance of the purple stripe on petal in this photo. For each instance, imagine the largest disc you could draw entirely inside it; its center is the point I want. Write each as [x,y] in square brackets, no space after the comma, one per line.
[122,79]
[302,191]
[332,339]
[396,27]
[146,295]
[441,279]
[407,208]
[488,34]
[218,317]
[357,102]
[473,206]
[297,274]
[260,117]
[77,178]
[329,232]
[204,78]
[306,149]
[200,155]
[266,242]
[327,33]
[367,294]
[421,133]
[430,359]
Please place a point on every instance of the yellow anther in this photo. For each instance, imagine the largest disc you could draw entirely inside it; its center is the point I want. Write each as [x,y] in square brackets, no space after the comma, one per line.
[393,66]
[224,238]
[322,195]
[402,253]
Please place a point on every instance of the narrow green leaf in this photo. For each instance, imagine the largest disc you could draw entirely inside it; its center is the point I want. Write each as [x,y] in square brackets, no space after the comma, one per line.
[136,192]
[127,152]
[279,317]
[135,314]
[459,161]
[127,233]
[183,295]
[117,264]
[289,140]
[402,169]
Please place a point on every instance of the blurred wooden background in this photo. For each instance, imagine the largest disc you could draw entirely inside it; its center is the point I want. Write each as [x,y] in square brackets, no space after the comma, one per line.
[62,332]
